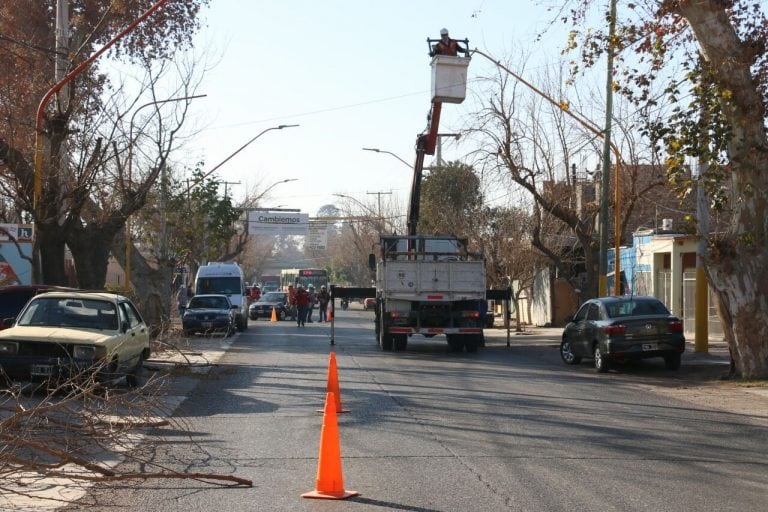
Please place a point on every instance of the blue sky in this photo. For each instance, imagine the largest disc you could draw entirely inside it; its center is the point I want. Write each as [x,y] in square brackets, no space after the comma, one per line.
[353,74]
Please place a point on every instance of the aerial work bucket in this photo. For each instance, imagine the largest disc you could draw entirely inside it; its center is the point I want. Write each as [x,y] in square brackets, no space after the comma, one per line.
[449,78]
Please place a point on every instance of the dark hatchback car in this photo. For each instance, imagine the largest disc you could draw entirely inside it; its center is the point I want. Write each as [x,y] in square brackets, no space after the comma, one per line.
[263,307]
[14,298]
[208,314]
[616,329]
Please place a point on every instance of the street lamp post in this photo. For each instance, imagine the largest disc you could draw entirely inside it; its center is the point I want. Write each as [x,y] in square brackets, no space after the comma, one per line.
[128,240]
[280,127]
[377,150]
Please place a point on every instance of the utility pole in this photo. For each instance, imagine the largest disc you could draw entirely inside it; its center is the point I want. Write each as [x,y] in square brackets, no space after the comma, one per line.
[381,219]
[605,182]
[226,183]
[62,52]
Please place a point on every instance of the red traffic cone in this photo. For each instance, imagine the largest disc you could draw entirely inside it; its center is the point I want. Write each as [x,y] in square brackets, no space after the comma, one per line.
[333,383]
[330,480]
[330,313]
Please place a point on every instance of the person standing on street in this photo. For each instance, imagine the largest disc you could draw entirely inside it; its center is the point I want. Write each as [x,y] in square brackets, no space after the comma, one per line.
[312,300]
[323,297]
[301,301]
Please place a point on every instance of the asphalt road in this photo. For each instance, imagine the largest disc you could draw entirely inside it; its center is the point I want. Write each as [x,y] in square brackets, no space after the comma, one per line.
[504,429]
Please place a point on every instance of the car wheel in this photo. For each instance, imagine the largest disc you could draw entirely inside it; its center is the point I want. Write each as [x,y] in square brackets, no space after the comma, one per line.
[133,378]
[601,361]
[672,361]
[566,353]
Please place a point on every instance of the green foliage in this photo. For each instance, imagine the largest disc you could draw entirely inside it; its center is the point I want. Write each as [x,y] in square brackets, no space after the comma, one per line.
[451,201]
[200,223]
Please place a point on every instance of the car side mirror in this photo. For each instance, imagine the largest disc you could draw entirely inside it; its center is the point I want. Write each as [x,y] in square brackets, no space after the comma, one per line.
[235,306]
[9,322]
[569,319]
[125,326]
[372,261]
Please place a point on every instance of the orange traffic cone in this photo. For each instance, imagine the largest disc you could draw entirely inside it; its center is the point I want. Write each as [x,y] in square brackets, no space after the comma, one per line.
[333,383]
[330,480]
[274,316]
[330,313]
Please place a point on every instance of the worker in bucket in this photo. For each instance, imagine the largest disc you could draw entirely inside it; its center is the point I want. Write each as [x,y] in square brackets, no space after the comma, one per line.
[446,45]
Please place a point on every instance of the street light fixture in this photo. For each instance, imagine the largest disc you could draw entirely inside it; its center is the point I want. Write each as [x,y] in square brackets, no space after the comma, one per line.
[279,127]
[377,150]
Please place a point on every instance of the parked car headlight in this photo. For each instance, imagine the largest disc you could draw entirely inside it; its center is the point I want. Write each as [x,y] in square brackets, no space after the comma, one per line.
[87,352]
[8,348]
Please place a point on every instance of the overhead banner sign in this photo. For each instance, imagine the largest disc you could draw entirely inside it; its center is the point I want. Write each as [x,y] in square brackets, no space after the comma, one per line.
[261,222]
[318,235]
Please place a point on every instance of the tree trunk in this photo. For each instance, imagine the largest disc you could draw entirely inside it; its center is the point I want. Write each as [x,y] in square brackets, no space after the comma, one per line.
[51,240]
[90,246]
[738,263]
[154,283]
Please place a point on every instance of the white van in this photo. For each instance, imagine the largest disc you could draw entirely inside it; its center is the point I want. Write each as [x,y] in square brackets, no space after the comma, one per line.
[226,279]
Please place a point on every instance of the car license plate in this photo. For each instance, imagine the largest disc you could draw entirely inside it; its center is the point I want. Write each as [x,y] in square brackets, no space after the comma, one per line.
[650,346]
[207,325]
[41,370]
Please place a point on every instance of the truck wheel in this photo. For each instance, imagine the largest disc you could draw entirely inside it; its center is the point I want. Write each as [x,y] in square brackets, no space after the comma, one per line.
[385,340]
[401,341]
[455,342]
[471,342]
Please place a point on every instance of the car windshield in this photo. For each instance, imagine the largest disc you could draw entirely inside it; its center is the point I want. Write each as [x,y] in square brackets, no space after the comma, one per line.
[71,312]
[223,285]
[273,297]
[633,307]
[208,302]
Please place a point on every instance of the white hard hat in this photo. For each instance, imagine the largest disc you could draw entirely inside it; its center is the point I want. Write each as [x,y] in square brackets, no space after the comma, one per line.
[443,31]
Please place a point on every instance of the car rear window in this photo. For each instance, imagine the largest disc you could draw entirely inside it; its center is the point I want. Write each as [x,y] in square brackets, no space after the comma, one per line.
[636,308]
